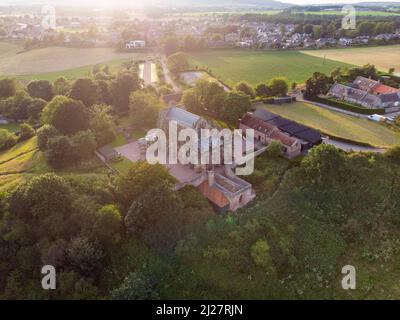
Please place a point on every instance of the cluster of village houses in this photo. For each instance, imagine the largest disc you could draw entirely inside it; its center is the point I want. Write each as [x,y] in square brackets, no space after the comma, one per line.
[244,34]
[368,93]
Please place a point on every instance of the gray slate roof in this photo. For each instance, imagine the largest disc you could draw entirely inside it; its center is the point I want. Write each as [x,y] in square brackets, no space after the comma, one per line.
[183,117]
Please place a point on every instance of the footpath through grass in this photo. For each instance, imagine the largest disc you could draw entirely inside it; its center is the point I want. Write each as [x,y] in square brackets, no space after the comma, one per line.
[338,124]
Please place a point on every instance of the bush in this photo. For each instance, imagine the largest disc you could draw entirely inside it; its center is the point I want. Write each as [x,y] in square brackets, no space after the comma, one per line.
[26,132]
[347,106]
[44,134]
[60,152]
[245,88]
[7,139]
[8,88]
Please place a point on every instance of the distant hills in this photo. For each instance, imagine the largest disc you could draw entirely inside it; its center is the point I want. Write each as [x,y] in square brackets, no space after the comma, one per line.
[175,3]
[271,4]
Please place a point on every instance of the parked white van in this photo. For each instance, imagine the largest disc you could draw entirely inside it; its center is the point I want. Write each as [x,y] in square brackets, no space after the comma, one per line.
[377,118]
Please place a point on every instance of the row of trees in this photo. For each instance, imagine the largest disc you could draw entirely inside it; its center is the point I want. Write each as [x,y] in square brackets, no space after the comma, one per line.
[333,29]
[20,103]
[277,87]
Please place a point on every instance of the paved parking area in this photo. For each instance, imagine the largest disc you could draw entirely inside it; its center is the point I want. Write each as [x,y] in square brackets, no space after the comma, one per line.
[130,151]
[182,173]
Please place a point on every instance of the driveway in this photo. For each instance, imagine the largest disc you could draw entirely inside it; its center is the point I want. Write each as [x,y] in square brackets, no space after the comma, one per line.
[353,147]
[167,75]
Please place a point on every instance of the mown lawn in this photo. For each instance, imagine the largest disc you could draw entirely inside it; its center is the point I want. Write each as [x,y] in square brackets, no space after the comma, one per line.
[256,66]
[338,124]
[19,149]
[24,161]
[122,165]
[12,127]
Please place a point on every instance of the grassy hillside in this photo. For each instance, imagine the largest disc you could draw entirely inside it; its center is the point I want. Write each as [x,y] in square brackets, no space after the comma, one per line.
[338,124]
[24,160]
[383,57]
[74,73]
[254,66]
[50,63]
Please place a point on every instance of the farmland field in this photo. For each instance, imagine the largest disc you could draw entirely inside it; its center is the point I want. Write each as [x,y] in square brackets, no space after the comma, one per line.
[363,13]
[53,62]
[338,124]
[383,57]
[255,66]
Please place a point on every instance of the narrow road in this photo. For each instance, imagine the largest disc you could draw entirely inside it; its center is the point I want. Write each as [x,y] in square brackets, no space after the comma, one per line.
[346,146]
[167,75]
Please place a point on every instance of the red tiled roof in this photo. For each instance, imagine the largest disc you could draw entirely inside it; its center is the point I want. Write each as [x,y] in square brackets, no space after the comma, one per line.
[384,89]
[257,124]
[268,129]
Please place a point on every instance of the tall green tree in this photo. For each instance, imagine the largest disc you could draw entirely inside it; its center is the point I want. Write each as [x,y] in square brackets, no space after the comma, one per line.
[67,115]
[122,87]
[42,89]
[279,87]
[144,109]
[246,88]
[84,90]
[8,88]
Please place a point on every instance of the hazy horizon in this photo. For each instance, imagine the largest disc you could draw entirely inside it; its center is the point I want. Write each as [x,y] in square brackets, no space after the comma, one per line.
[116,3]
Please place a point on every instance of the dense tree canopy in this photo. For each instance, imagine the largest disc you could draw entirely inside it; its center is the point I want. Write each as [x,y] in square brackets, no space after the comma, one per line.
[84,90]
[41,89]
[67,115]
[121,88]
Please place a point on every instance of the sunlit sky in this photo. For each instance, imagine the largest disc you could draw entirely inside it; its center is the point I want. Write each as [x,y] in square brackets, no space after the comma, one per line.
[110,3]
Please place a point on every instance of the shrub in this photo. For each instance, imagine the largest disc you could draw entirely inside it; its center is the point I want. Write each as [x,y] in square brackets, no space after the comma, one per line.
[44,134]
[7,139]
[26,132]
[349,107]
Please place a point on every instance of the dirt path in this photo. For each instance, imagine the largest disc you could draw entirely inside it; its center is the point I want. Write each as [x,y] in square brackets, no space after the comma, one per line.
[167,75]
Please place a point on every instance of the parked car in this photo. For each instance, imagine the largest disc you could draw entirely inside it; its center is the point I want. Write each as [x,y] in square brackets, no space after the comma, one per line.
[377,118]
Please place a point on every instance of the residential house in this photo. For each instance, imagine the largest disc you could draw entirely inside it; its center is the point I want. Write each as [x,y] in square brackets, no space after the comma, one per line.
[136,44]
[368,93]
[266,132]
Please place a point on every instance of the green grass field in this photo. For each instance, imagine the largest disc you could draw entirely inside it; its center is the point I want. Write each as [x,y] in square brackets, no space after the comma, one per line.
[256,66]
[74,73]
[12,127]
[338,124]
[24,160]
[383,57]
[53,62]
